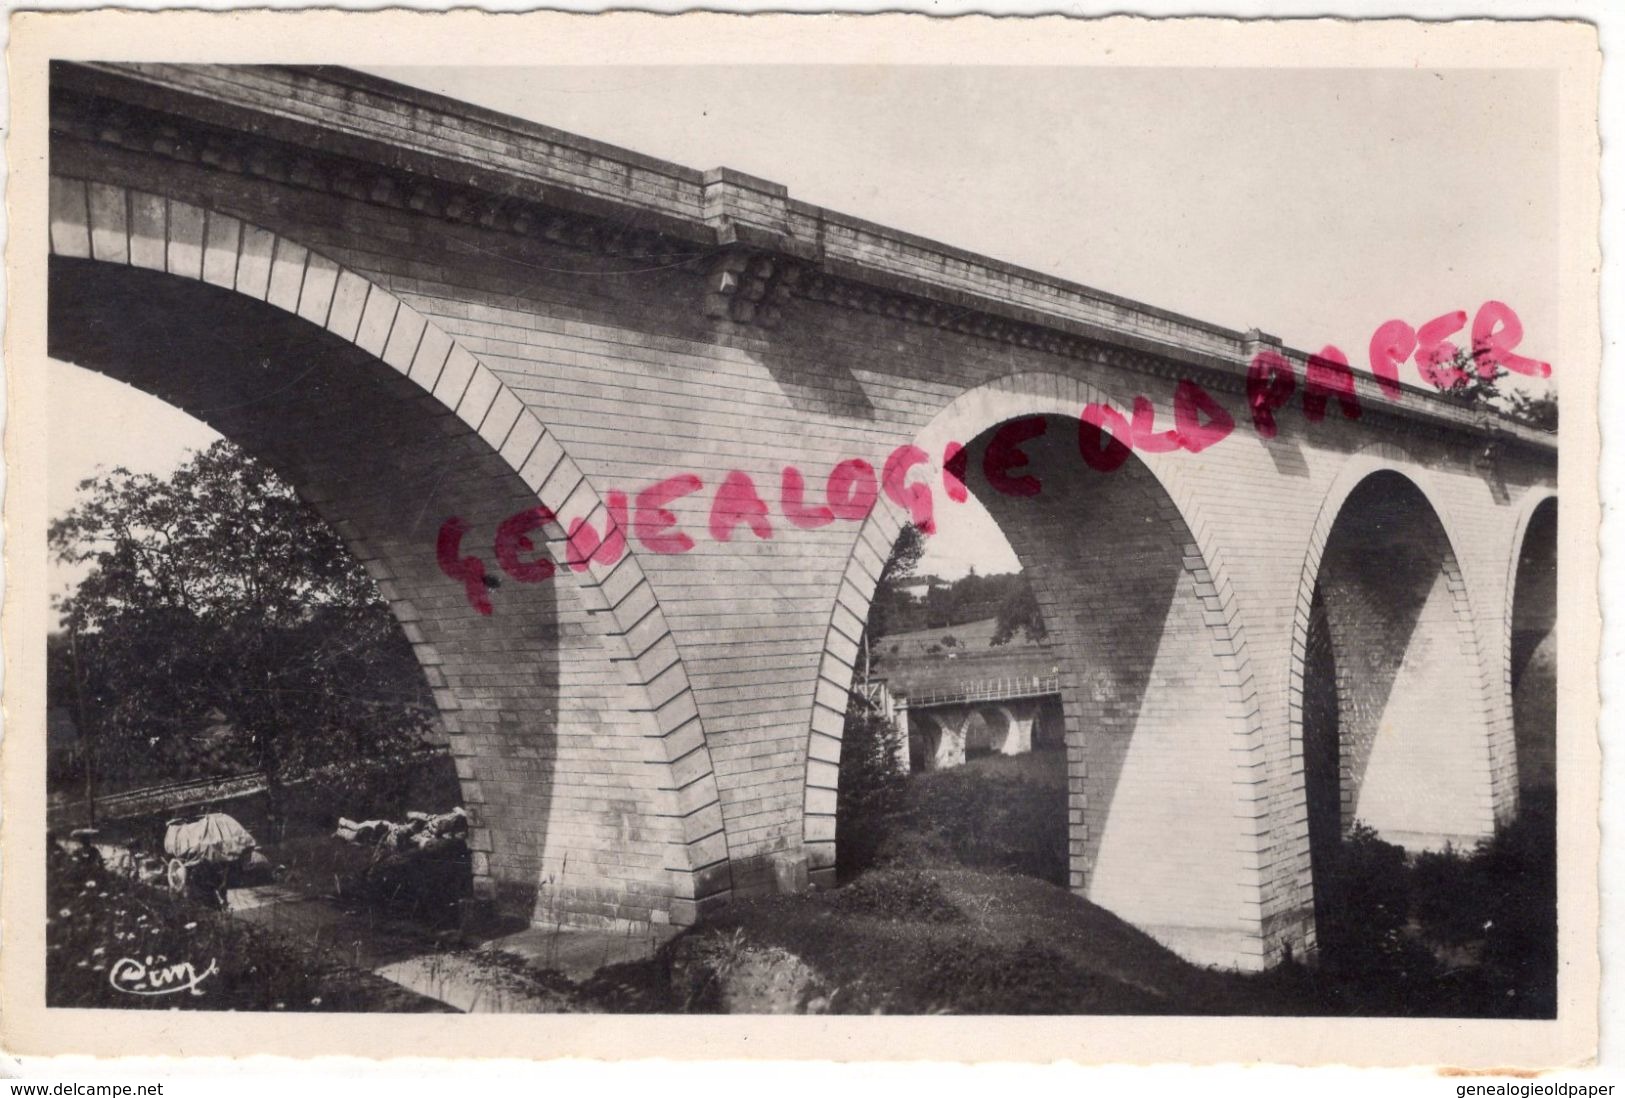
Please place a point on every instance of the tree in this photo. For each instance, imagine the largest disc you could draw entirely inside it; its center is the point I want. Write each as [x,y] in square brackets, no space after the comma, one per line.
[871,783]
[1477,386]
[891,604]
[223,626]
[871,773]
[1539,412]
[1019,613]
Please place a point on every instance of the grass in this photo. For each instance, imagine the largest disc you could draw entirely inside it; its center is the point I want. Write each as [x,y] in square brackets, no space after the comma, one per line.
[265,963]
[919,662]
[971,637]
[959,910]
[943,940]
[1002,812]
[95,920]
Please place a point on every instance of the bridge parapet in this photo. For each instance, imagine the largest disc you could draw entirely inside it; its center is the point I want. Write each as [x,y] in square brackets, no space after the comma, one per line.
[1005,688]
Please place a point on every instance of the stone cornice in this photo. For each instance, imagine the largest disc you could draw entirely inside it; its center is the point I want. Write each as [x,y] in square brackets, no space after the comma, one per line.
[760,250]
[106,121]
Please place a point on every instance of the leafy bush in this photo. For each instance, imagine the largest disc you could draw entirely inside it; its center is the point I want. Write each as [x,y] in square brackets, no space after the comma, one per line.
[1499,902]
[97,919]
[995,813]
[1364,904]
[1020,613]
[1447,933]
[1447,896]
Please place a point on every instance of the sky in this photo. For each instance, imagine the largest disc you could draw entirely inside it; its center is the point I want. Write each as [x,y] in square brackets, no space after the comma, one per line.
[1313,204]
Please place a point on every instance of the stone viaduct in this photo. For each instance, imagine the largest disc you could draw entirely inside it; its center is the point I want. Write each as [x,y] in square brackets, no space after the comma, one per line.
[465,337]
[1000,715]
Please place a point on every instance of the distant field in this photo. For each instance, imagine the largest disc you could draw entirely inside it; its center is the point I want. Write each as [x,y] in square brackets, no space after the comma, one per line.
[974,635]
[905,660]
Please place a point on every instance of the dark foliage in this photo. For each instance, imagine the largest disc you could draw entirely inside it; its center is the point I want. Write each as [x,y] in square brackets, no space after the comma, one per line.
[1019,613]
[891,609]
[1477,384]
[871,783]
[994,813]
[1365,894]
[1539,412]
[1498,906]
[1451,933]
[224,627]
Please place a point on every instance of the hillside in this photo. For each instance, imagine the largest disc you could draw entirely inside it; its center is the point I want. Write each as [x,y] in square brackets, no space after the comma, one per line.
[923,660]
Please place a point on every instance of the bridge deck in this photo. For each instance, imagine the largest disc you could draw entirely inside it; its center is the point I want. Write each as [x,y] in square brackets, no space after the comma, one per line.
[1001,689]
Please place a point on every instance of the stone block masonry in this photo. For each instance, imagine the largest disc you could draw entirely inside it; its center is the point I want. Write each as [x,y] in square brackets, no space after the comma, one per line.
[469,339]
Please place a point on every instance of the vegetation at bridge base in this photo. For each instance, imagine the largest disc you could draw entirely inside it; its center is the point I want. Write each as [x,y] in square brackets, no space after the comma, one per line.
[1002,813]
[918,930]
[1449,934]
[223,627]
[95,918]
[871,783]
[298,839]
[954,911]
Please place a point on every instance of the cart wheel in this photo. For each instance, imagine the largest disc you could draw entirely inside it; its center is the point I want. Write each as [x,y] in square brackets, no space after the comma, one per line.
[177,875]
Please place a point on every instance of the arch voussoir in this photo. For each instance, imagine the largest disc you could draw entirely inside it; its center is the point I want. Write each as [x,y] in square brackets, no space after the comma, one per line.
[1216,609]
[1459,666]
[113,224]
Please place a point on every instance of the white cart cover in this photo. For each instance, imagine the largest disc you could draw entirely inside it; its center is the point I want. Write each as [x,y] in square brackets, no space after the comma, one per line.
[214,837]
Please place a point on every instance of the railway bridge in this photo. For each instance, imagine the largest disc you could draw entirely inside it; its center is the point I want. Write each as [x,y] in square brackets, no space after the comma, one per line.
[943,726]
[625,445]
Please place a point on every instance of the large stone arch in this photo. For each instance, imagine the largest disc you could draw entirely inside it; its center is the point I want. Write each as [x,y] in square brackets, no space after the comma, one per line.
[1529,640]
[1419,650]
[1231,919]
[636,809]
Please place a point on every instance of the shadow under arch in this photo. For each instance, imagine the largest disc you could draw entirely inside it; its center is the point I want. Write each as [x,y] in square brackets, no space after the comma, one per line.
[1531,644]
[1162,727]
[1389,706]
[387,426]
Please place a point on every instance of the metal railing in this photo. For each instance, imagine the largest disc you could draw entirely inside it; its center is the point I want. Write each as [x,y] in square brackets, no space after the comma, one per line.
[999,689]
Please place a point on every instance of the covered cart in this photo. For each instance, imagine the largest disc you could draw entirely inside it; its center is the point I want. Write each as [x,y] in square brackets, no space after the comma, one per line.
[209,853]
